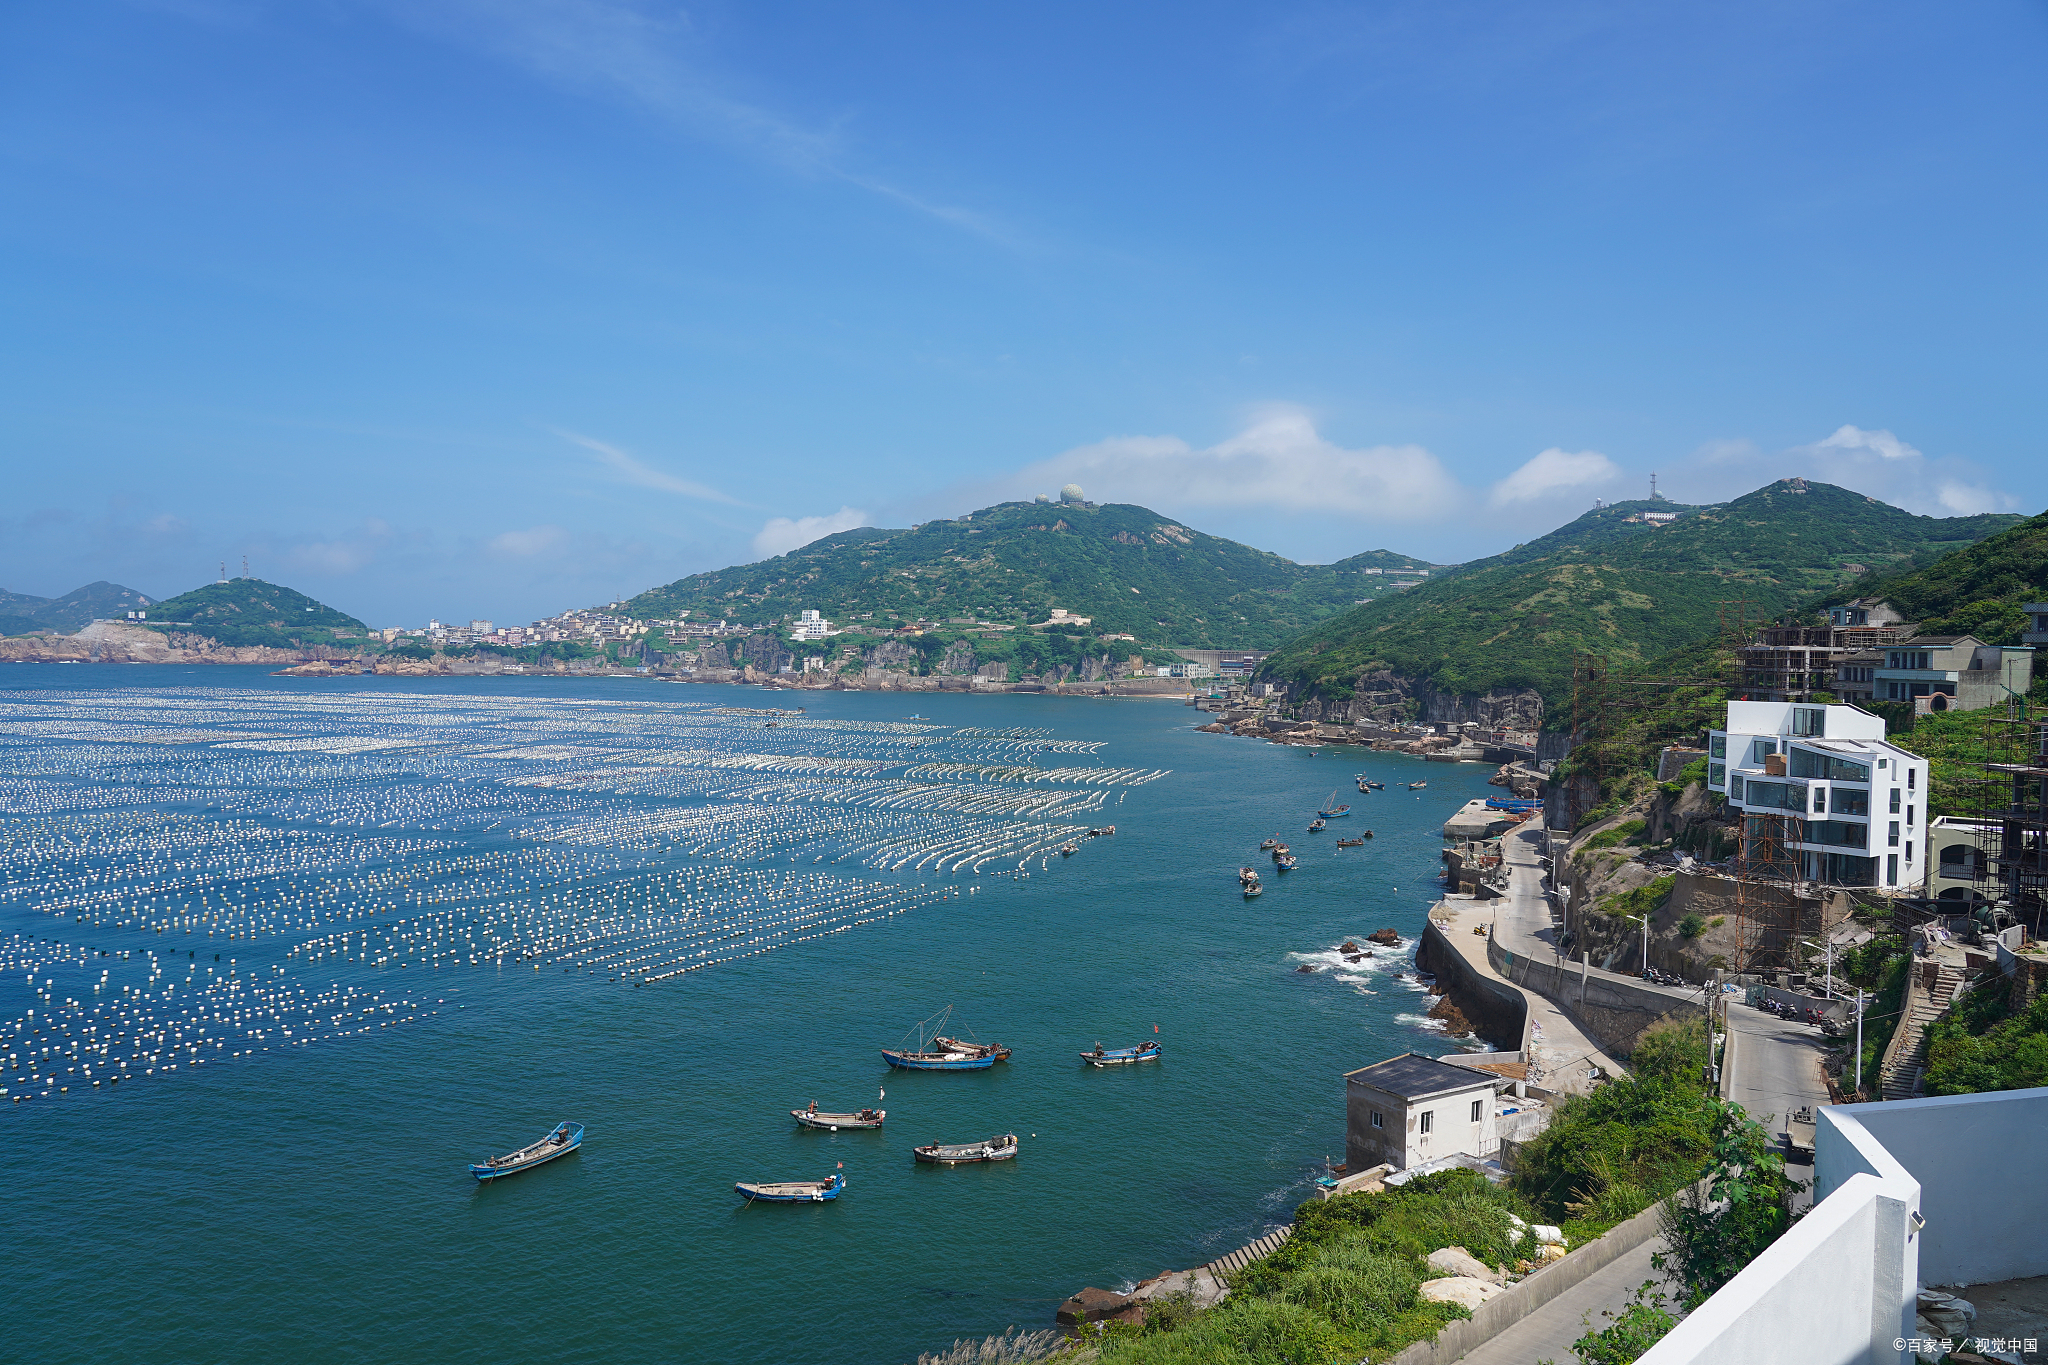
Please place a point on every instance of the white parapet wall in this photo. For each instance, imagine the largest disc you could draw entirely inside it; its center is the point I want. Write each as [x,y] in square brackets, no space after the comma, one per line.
[1982,1165]
[1942,1191]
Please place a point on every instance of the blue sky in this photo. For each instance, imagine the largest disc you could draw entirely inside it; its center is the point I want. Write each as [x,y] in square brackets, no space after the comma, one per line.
[464,308]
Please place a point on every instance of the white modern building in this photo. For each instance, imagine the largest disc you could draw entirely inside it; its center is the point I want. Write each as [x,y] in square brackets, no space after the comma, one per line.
[812,626]
[1411,1109]
[1844,805]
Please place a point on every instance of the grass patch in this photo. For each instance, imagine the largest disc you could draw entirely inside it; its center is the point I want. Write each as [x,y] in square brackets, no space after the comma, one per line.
[1626,832]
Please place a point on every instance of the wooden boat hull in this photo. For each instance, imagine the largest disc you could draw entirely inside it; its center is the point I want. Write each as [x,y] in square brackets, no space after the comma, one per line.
[936,1061]
[832,1123]
[1123,1056]
[1338,814]
[526,1158]
[1001,1148]
[789,1191]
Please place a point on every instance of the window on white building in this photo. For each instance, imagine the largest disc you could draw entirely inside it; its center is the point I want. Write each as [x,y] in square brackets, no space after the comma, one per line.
[1424,1124]
[1475,1109]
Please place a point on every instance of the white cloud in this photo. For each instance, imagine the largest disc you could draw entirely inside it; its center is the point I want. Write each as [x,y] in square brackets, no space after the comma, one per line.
[1960,499]
[1281,461]
[1551,472]
[783,534]
[631,470]
[1882,444]
[535,540]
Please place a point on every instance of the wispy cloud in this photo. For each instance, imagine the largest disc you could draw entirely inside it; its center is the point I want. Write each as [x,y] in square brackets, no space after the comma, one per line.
[1279,462]
[783,534]
[637,56]
[1872,460]
[526,544]
[633,471]
[1554,472]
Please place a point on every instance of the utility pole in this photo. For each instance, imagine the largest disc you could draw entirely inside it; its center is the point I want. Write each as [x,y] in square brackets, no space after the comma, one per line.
[1859,1044]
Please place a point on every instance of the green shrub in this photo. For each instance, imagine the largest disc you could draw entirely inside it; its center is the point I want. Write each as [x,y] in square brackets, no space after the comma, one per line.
[1651,1132]
[1747,1205]
[1641,1324]
[1693,925]
[1981,1045]
[1627,831]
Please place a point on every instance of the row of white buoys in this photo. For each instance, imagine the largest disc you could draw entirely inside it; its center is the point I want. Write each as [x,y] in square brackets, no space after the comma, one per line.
[357,834]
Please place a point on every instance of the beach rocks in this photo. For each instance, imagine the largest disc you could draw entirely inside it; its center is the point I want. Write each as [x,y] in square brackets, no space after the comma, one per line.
[1456,1261]
[1307,968]
[1204,1289]
[1386,938]
[1347,946]
[1099,1305]
[1465,1290]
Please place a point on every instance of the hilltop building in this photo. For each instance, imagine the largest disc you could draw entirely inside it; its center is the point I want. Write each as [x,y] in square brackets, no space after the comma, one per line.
[811,626]
[1953,673]
[1823,796]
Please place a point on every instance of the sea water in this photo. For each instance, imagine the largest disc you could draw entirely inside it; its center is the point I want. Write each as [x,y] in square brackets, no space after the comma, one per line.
[394,857]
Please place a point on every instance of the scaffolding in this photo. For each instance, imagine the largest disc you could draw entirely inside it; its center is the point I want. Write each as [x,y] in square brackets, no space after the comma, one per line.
[2008,803]
[1767,885]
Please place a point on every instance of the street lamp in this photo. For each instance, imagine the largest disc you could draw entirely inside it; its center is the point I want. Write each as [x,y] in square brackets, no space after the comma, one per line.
[1859,1044]
[1644,919]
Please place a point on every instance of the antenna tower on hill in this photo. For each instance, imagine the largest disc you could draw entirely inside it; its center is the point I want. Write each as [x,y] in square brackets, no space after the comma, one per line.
[223,572]
[1654,494]
[245,558]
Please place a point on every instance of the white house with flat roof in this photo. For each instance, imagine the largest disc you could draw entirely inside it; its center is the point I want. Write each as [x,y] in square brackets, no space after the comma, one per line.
[1411,1109]
[1849,804]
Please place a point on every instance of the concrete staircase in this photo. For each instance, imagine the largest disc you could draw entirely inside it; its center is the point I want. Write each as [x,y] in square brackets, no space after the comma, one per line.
[1906,1058]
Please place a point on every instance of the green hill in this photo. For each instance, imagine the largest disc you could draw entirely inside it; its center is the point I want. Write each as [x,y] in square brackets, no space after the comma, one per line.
[1130,569]
[248,611]
[1976,590]
[1611,583]
[21,613]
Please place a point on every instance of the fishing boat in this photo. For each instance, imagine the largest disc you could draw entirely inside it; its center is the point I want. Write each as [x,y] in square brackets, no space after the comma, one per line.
[1068,850]
[815,1117]
[1331,810]
[1121,1056]
[1001,1147]
[1280,851]
[1351,843]
[566,1138]
[935,1052]
[1316,824]
[1285,864]
[1269,843]
[1417,786]
[790,1191]
[1248,882]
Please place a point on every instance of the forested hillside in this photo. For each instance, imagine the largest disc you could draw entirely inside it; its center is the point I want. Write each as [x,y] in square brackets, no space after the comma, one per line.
[1978,589]
[21,612]
[249,611]
[1620,587]
[1131,569]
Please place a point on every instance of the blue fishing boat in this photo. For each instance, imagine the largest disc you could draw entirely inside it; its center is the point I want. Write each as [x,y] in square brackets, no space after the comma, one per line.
[565,1139]
[933,1051]
[790,1191]
[1331,810]
[1121,1056]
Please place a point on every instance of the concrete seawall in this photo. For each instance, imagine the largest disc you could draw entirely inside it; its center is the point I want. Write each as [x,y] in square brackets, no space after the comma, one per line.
[1499,1011]
[1613,1012]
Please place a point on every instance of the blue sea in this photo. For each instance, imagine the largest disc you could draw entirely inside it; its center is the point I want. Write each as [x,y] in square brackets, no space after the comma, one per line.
[341,938]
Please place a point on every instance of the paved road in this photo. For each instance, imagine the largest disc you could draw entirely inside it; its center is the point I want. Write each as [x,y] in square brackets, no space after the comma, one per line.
[1777,1067]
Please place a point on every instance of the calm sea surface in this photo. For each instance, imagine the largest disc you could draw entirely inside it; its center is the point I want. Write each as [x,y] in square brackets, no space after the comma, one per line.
[309,1199]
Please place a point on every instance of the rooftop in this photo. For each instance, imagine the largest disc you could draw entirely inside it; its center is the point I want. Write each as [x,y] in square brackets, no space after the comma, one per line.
[1413,1076]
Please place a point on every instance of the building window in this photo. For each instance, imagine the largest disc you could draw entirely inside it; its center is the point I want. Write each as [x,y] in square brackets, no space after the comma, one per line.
[1424,1124]
[1912,778]
[1735,789]
[1895,801]
[1717,747]
[1893,841]
[1762,749]
[1475,1109]
[1820,800]
[1909,853]
[1891,869]
[1909,817]
[1717,774]
[1377,1121]
[1809,720]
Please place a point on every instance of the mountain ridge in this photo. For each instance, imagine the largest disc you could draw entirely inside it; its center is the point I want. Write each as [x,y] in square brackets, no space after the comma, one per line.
[1509,625]
[1128,568]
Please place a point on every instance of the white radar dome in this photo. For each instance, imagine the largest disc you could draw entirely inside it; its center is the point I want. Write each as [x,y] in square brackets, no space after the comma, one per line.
[1071,493]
